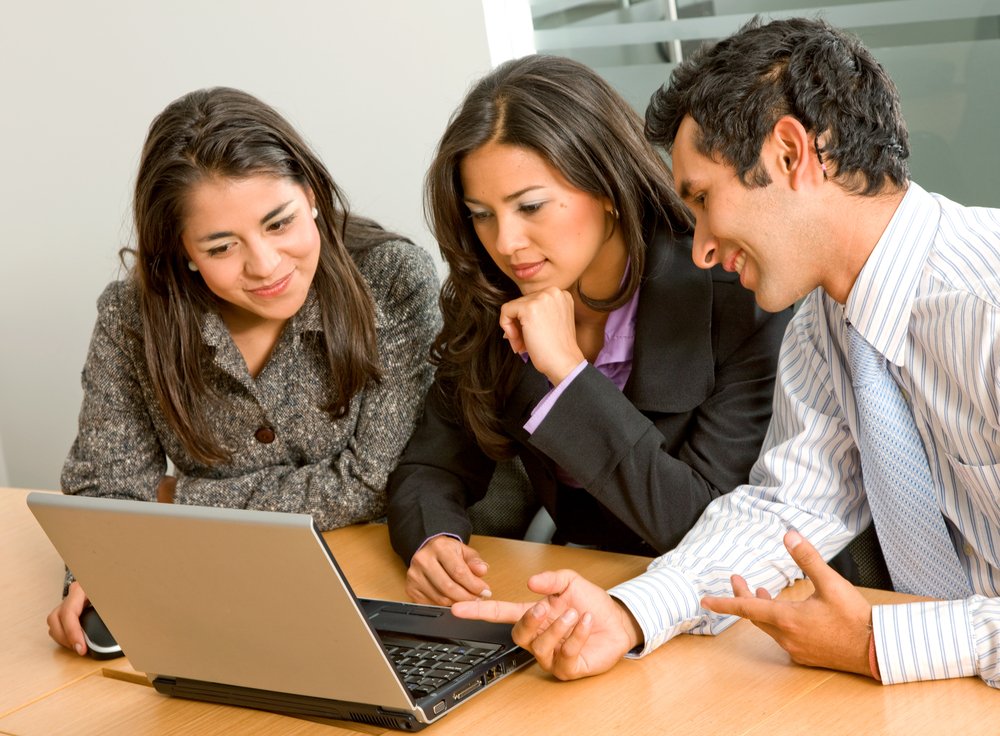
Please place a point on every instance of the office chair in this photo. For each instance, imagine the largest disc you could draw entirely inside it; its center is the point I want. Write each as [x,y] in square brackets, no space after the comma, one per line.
[509,505]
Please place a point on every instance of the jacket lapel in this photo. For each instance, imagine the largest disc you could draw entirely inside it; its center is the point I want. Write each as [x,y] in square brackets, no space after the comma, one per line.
[673,367]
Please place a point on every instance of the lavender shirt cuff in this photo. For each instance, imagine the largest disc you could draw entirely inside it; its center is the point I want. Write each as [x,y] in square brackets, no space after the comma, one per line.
[435,536]
[543,407]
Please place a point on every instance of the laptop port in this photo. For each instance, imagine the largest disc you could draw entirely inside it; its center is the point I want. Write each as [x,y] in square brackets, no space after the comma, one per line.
[470,688]
[494,672]
[439,707]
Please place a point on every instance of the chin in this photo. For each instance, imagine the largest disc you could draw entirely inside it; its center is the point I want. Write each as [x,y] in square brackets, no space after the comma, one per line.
[772,303]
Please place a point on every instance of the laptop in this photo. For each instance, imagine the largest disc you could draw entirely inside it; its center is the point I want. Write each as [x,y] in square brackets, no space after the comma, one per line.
[250,608]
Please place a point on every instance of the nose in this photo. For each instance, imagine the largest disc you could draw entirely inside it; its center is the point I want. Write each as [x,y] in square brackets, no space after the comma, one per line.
[262,258]
[705,246]
[509,235]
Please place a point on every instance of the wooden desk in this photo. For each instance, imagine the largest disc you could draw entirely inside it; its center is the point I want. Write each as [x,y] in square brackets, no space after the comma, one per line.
[740,682]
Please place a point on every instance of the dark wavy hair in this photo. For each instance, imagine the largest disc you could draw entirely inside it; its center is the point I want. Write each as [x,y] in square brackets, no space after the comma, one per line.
[737,89]
[222,132]
[571,117]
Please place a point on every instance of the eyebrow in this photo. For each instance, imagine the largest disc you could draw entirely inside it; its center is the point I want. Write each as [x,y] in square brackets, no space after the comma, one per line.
[228,234]
[512,196]
[686,187]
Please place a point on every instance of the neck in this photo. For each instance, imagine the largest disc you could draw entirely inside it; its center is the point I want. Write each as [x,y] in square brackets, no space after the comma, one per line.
[855,223]
[254,337]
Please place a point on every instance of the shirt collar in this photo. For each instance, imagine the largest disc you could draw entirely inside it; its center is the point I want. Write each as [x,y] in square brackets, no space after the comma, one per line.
[619,333]
[881,300]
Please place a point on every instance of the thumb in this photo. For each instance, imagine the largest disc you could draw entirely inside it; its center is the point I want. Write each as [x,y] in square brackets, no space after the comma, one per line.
[476,563]
[552,582]
[810,560]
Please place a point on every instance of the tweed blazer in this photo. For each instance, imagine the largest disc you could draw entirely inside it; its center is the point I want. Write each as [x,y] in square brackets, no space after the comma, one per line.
[686,428]
[288,454]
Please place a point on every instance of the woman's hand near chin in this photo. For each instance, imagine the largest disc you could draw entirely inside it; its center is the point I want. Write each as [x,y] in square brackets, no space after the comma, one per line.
[543,325]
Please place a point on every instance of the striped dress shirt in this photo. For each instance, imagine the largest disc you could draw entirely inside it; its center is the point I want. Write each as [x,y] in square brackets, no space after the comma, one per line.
[928,299]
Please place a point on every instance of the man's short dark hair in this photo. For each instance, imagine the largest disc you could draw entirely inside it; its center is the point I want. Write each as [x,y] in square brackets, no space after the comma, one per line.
[737,89]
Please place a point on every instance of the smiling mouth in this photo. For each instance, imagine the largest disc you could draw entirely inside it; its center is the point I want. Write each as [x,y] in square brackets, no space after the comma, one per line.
[735,262]
[274,288]
[525,271]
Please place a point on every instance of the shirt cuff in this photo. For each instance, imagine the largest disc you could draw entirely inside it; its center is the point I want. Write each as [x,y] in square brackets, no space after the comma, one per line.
[543,407]
[664,604]
[435,536]
[930,640]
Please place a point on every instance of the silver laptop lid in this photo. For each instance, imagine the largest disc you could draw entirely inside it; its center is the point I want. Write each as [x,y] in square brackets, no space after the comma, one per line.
[247,598]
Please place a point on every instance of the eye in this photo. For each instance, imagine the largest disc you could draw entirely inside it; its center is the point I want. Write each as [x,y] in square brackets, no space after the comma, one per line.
[530,208]
[220,250]
[281,225]
[479,215]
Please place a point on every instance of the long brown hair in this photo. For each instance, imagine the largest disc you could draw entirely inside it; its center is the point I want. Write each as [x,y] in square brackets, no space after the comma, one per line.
[222,132]
[566,113]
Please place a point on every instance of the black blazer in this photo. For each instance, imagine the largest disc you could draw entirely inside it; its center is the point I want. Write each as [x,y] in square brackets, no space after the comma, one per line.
[686,429]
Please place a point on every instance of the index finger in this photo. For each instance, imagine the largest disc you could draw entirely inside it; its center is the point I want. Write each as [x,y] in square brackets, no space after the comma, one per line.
[501,612]
[758,610]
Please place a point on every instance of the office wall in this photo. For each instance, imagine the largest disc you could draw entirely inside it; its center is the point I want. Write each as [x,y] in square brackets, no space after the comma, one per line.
[371,85]
[3,467]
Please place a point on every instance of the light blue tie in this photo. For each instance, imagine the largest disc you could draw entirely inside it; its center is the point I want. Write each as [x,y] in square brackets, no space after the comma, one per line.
[918,550]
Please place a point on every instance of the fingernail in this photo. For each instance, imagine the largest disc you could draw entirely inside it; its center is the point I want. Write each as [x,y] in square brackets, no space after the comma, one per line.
[538,610]
[569,617]
[80,649]
[486,593]
[793,539]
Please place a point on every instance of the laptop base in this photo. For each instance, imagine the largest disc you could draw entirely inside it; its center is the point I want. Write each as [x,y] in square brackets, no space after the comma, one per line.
[286,703]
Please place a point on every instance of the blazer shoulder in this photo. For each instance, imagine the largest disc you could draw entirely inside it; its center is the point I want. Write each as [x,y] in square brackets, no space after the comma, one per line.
[118,305]
[396,267]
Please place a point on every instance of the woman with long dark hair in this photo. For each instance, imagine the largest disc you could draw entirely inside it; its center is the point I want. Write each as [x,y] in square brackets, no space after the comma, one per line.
[578,334]
[270,344]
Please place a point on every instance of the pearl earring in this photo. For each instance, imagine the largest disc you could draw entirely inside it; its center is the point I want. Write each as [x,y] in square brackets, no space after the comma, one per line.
[315,213]
[192,266]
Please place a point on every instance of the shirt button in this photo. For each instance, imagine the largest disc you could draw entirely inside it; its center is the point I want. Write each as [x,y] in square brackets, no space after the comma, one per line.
[264,435]
[968,550]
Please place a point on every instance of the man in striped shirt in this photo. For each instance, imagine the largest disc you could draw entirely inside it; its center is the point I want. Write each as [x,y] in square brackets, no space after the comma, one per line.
[789,148]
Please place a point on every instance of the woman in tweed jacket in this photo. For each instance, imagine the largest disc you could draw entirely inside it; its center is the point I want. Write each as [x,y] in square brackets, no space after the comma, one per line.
[273,346]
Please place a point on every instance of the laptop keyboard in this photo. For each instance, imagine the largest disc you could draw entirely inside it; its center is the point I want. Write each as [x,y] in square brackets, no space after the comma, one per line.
[427,665]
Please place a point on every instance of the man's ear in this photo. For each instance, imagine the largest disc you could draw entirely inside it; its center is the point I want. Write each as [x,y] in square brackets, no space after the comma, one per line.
[791,154]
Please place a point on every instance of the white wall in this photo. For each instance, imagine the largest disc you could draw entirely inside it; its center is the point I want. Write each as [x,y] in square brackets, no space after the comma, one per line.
[371,85]
[3,467]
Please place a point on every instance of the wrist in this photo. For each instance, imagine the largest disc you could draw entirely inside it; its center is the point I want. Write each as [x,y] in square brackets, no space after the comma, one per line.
[873,658]
[631,627]
[559,373]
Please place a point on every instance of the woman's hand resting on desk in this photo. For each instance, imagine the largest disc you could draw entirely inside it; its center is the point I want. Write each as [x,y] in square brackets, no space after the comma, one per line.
[543,325]
[576,631]
[444,571]
[64,621]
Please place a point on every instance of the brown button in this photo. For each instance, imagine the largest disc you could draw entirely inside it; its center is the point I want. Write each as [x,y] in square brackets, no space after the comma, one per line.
[264,435]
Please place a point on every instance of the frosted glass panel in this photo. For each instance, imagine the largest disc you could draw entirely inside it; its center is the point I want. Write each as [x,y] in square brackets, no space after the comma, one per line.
[942,55]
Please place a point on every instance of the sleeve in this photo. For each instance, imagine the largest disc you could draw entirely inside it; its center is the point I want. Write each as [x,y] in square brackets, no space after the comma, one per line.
[659,487]
[807,477]
[116,452]
[350,487]
[935,640]
[441,473]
